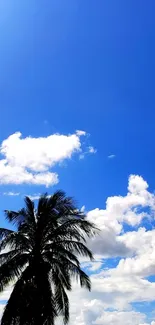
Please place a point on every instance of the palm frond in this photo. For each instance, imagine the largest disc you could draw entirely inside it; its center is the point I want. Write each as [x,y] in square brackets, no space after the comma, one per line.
[5,232]
[60,275]
[5,257]
[42,204]
[78,225]
[74,246]
[15,240]
[30,211]
[58,252]
[62,302]
[76,272]
[12,269]
[16,217]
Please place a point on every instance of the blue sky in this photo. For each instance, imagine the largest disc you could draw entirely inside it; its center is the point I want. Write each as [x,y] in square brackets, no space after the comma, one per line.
[82,65]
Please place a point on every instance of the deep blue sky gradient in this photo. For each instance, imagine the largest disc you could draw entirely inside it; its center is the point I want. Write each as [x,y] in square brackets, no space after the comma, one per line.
[83,65]
[88,65]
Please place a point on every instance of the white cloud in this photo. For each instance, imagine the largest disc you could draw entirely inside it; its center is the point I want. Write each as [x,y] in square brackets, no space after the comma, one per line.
[12,174]
[141,244]
[38,154]
[4,295]
[107,293]
[120,318]
[120,291]
[110,297]
[92,266]
[92,312]
[83,209]
[116,288]
[91,149]
[36,196]
[108,302]
[80,133]
[111,156]
[152,323]
[1,309]
[81,156]
[11,193]
[95,266]
[29,160]
[119,210]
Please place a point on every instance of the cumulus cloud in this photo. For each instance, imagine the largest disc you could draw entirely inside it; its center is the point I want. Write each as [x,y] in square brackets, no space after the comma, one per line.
[120,318]
[141,244]
[121,210]
[108,302]
[152,323]
[29,160]
[120,286]
[92,312]
[116,287]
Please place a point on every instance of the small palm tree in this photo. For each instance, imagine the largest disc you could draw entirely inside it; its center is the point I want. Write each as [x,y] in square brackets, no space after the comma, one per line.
[40,258]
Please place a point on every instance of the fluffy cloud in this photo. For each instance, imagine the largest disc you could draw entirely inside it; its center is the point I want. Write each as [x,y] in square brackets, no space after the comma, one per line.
[115,289]
[121,210]
[109,302]
[120,318]
[152,323]
[92,312]
[29,160]
[141,244]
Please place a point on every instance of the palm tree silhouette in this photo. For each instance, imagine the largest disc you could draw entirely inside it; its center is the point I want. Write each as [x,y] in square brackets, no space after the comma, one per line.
[41,257]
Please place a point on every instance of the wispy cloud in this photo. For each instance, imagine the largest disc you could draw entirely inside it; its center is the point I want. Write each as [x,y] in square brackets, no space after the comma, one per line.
[11,193]
[111,156]
[92,149]
[80,133]
[36,196]
[89,150]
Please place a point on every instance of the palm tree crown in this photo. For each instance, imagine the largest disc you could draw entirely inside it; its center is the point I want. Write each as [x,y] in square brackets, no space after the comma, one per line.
[40,258]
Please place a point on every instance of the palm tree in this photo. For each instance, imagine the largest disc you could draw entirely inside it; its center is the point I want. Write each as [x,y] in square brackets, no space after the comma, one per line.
[40,258]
